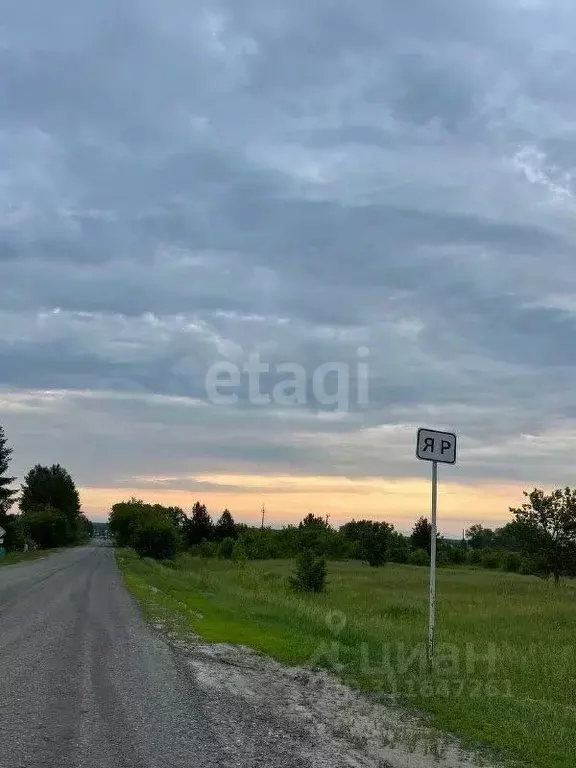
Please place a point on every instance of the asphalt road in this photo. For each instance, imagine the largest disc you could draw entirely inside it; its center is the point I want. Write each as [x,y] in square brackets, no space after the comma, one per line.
[84,682]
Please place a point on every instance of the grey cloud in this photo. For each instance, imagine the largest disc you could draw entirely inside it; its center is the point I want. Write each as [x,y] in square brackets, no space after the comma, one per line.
[189,183]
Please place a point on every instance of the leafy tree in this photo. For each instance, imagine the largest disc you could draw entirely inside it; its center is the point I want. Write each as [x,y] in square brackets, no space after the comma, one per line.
[50,487]
[176,515]
[155,536]
[199,526]
[479,537]
[372,539]
[547,531]
[225,527]
[310,573]
[123,520]
[509,537]
[6,493]
[47,527]
[421,535]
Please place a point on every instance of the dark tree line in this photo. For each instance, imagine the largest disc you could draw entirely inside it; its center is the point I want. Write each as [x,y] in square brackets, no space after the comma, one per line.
[49,506]
[540,539]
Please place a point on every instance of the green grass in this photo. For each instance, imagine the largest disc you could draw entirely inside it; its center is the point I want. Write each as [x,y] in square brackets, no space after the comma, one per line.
[23,557]
[372,621]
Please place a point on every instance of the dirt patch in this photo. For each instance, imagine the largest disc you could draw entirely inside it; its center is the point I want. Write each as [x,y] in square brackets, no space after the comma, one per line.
[322,721]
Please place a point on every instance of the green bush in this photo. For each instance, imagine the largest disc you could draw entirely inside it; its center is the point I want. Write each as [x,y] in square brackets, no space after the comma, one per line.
[490,559]
[526,567]
[399,554]
[512,562]
[310,573]
[47,527]
[419,557]
[208,549]
[226,548]
[456,555]
[474,557]
[239,553]
[155,537]
[15,539]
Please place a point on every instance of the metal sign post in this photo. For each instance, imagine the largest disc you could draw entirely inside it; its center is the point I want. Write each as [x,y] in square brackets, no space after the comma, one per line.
[436,447]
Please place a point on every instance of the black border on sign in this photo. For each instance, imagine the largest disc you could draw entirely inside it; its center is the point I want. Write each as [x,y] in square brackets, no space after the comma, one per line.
[436,432]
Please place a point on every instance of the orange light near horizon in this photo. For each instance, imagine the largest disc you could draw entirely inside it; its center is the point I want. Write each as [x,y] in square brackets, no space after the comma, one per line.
[289,498]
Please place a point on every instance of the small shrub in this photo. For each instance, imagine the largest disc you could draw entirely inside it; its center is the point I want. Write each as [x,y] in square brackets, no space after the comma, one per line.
[310,573]
[456,555]
[155,537]
[239,553]
[399,555]
[419,557]
[474,557]
[490,559]
[526,567]
[226,548]
[208,549]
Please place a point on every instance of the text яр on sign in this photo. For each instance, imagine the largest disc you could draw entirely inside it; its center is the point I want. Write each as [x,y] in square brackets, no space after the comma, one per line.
[432,445]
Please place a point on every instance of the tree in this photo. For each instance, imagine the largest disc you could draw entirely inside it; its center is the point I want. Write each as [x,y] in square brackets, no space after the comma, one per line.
[547,531]
[314,534]
[176,515]
[124,518]
[310,574]
[421,535]
[372,539]
[155,536]
[225,528]
[509,537]
[199,526]
[50,487]
[6,494]
[48,527]
[479,537]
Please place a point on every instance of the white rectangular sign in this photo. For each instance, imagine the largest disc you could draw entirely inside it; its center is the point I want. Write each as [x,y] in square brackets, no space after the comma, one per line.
[432,445]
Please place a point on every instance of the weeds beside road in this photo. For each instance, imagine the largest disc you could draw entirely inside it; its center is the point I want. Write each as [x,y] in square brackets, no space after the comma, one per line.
[24,557]
[506,664]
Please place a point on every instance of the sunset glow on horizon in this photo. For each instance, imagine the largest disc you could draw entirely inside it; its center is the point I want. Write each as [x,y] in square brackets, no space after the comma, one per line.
[288,499]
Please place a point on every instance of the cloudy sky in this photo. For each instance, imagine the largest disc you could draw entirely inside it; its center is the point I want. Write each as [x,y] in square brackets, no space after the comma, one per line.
[187,184]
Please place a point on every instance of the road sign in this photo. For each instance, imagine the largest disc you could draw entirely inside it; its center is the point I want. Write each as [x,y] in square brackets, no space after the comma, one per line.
[2,532]
[436,447]
[432,445]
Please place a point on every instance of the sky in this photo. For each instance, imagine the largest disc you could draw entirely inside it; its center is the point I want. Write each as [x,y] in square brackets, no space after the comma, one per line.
[373,202]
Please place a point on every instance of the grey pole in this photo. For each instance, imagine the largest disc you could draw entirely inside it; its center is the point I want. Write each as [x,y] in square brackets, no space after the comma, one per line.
[432,607]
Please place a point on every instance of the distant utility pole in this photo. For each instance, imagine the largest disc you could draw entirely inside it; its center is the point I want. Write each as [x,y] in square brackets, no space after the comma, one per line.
[263,516]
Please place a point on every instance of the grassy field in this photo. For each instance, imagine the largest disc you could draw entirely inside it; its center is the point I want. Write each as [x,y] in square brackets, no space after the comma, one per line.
[23,557]
[505,671]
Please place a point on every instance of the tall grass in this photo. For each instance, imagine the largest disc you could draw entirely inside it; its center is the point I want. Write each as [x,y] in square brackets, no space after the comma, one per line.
[505,671]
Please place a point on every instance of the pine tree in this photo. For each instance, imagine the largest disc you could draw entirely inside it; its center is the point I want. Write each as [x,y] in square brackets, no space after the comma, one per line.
[199,526]
[225,527]
[6,493]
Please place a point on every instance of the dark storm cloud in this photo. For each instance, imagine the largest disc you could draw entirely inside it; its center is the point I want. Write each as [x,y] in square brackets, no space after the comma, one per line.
[185,183]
